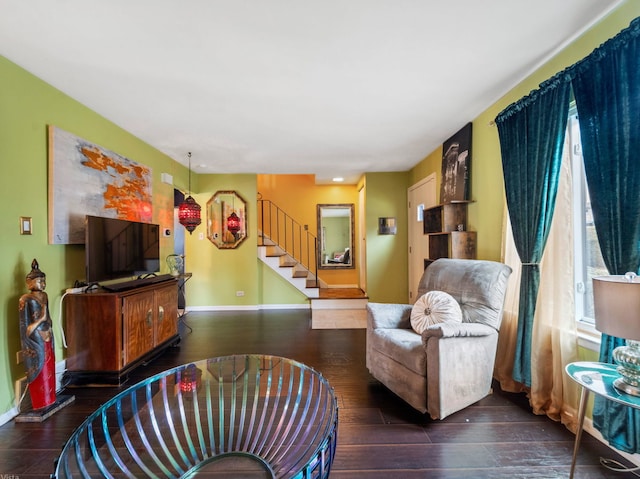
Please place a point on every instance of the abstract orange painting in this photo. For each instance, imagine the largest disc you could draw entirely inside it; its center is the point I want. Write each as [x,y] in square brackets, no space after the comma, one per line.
[86,179]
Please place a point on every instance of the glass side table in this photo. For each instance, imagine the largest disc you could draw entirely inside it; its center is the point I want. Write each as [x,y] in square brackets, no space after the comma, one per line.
[595,378]
[236,416]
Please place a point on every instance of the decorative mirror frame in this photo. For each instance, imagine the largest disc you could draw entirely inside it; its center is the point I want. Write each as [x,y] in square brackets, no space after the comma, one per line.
[219,208]
[327,248]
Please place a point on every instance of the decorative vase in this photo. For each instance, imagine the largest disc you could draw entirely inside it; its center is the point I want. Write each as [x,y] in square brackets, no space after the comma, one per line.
[175,263]
[628,360]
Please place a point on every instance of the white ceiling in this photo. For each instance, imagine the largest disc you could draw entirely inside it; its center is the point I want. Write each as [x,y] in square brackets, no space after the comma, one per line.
[330,87]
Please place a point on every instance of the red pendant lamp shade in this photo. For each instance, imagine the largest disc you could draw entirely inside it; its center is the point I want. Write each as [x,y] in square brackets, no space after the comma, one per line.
[233,223]
[190,377]
[189,214]
[189,210]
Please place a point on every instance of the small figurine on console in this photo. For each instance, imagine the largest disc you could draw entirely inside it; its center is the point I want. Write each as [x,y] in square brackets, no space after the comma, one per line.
[36,334]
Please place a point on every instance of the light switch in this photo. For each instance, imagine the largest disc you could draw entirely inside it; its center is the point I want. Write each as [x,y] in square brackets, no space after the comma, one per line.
[25,225]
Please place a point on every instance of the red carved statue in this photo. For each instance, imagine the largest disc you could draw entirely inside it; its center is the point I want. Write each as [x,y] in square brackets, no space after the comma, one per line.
[36,334]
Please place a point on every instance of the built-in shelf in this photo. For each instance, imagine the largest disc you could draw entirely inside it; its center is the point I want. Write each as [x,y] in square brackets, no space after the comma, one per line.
[446,229]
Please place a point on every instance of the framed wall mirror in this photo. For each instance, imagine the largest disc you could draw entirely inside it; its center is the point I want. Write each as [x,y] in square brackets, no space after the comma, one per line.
[226,219]
[335,236]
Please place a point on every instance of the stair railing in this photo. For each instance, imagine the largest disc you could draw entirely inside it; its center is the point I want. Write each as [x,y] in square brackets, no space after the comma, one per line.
[285,232]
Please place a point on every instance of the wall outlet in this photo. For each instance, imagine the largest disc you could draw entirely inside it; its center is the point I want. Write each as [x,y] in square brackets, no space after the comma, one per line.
[239,293]
[166,232]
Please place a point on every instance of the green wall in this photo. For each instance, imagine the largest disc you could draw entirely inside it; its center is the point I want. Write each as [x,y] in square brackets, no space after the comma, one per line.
[219,274]
[27,106]
[275,291]
[387,255]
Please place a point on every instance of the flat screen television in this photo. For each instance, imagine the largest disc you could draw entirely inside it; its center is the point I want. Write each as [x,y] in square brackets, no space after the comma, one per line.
[117,249]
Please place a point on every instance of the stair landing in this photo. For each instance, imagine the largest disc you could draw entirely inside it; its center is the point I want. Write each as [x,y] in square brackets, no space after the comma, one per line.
[339,308]
[342,293]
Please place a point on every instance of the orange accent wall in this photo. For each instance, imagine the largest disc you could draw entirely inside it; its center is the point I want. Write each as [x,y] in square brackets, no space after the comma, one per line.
[298,195]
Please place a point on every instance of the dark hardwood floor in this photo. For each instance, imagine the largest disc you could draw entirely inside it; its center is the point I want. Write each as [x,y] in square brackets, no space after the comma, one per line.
[379,435]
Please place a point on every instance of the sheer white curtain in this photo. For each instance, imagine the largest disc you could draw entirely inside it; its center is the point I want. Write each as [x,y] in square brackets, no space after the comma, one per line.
[554,342]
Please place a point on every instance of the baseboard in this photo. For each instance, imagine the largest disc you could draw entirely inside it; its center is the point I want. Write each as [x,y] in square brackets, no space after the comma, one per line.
[284,306]
[8,416]
[221,308]
[257,307]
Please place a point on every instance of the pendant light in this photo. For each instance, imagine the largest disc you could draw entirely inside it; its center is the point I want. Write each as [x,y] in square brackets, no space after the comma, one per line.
[189,210]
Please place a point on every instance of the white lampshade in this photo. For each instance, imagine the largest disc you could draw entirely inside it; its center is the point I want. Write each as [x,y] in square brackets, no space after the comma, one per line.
[616,301]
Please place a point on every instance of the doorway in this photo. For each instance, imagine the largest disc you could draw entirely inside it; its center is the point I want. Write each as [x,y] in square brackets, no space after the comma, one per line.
[420,196]
[361,235]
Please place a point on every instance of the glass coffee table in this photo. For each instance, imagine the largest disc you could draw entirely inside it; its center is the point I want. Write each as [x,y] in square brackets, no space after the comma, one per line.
[236,416]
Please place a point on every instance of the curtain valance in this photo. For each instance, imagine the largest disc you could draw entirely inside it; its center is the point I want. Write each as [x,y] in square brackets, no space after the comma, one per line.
[620,41]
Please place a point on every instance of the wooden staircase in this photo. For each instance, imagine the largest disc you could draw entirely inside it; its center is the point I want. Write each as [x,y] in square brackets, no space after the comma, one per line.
[291,251]
[289,268]
[331,308]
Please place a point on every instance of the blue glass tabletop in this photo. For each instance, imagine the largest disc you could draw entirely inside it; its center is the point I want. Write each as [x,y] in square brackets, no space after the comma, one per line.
[599,378]
[234,416]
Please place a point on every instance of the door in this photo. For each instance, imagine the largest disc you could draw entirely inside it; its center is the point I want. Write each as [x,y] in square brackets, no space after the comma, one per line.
[166,307]
[419,196]
[137,311]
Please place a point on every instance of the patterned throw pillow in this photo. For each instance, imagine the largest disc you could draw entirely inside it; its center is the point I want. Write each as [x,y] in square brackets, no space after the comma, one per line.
[432,308]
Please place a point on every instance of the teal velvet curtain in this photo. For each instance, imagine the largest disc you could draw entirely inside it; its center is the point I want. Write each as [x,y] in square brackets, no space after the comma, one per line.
[607,91]
[532,133]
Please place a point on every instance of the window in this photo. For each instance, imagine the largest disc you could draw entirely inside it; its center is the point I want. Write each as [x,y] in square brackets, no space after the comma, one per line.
[588,259]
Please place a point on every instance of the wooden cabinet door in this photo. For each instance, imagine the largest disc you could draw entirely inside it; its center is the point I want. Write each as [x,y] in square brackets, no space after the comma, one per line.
[138,312]
[166,324]
[93,332]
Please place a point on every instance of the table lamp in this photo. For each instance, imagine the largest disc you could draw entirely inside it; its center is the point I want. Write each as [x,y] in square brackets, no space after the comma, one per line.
[616,301]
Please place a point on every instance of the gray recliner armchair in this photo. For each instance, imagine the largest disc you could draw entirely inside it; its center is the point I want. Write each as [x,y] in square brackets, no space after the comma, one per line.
[449,366]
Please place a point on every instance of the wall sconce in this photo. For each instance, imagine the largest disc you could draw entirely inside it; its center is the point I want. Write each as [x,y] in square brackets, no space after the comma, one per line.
[226,219]
[189,210]
[616,301]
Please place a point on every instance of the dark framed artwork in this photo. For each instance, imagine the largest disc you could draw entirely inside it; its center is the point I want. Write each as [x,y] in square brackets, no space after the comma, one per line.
[456,167]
